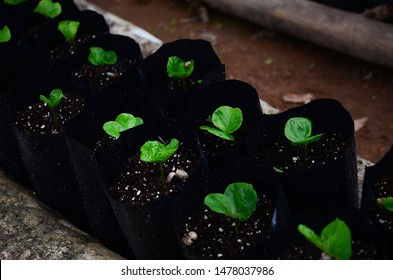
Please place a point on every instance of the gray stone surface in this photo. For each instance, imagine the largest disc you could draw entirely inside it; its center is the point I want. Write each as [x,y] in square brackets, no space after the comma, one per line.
[30,230]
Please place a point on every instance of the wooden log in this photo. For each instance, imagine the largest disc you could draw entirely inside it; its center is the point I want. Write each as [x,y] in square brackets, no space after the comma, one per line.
[349,33]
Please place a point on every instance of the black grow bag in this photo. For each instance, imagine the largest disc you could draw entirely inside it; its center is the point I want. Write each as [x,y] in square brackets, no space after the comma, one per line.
[326,178]
[288,243]
[147,227]
[378,183]
[265,182]
[157,96]
[51,46]
[205,101]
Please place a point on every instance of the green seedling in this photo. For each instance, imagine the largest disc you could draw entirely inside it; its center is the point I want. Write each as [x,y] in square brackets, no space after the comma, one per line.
[386,203]
[278,170]
[98,56]
[69,28]
[335,239]
[48,8]
[157,152]
[226,121]
[122,123]
[14,2]
[53,101]
[5,34]
[238,201]
[177,68]
[299,131]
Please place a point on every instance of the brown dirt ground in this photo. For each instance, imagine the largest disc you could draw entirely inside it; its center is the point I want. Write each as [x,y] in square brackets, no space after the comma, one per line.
[276,64]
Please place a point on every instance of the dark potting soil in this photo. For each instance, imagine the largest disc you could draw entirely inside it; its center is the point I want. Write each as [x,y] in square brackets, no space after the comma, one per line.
[103,75]
[291,158]
[216,233]
[66,49]
[383,188]
[178,85]
[212,145]
[105,143]
[361,250]
[140,182]
[38,118]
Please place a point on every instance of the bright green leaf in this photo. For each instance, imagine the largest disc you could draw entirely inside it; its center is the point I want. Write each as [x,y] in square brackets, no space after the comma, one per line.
[278,170]
[5,34]
[218,133]
[69,28]
[98,56]
[54,99]
[48,8]
[177,68]
[155,151]
[335,239]
[112,128]
[299,131]
[128,121]
[238,201]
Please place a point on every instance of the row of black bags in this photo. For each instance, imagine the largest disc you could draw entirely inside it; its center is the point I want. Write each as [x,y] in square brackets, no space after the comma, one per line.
[77,169]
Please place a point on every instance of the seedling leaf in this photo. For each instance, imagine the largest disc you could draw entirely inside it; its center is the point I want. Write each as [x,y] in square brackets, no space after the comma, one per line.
[54,99]
[335,239]
[156,152]
[69,28]
[128,121]
[177,68]
[227,120]
[98,56]
[386,203]
[299,131]
[112,128]
[122,123]
[5,34]
[48,8]
[238,201]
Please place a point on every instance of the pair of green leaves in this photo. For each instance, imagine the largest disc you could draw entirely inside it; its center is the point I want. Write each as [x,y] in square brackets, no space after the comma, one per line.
[54,99]
[122,123]
[226,121]
[48,8]
[299,131]
[335,239]
[177,68]
[157,152]
[98,56]
[5,34]
[238,201]
[69,28]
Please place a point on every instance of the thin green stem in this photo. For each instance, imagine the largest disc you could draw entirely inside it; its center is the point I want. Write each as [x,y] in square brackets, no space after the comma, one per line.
[162,176]
[237,228]
[305,152]
[55,119]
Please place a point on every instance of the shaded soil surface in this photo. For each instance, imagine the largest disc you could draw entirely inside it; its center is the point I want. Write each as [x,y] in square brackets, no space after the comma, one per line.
[277,64]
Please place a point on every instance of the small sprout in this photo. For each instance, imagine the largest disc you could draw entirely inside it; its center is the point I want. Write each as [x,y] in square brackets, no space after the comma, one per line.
[54,100]
[299,132]
[386,203]
[238,202]
[14,2]
[226,121]
[5,34]
[122,123]
[189,238]
[178,68]
[98,56]
[69,28]
[157,152]
[335,239]
[48,8]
